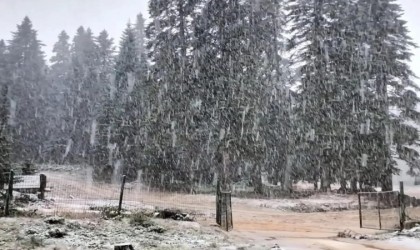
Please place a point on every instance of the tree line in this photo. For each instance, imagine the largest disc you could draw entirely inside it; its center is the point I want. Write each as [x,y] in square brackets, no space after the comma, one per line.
[234,90]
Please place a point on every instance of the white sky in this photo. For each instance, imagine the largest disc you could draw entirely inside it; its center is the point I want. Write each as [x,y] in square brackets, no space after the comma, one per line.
[50,17]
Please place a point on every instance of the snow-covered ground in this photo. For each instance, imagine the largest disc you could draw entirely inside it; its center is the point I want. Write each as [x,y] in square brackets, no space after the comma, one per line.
[406,243]
[34,233]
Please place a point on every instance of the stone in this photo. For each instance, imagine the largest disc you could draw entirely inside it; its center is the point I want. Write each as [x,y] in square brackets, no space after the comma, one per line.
[31,231]
[74,225]
[57,233]
[54,220]
[156,229]
[123,246]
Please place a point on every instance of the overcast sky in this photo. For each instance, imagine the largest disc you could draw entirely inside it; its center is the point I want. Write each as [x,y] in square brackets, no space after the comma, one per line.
[50,17]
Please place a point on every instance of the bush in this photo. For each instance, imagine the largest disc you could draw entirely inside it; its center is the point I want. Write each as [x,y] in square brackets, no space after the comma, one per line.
[140,219]
[109,212]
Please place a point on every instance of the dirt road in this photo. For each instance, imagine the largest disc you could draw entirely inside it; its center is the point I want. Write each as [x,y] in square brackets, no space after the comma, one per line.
[266,227]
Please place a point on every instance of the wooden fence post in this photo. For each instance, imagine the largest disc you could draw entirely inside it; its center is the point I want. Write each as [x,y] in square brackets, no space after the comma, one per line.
[226,221]
[360,211]
[402,206]
[223,214]
[9,194]
[229,219]
[218,205]
[379,212]
[121,195]
[42,185]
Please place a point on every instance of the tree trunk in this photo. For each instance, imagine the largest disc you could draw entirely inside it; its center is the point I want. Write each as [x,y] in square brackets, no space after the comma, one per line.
[287,182]
[256,180]
[325,180]
[353,185]
[386,182]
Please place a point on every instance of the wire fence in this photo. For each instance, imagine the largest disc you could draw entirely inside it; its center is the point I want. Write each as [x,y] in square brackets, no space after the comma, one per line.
[78,194]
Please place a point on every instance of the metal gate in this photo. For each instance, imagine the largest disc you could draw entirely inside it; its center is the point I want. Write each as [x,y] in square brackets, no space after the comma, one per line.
[380,210]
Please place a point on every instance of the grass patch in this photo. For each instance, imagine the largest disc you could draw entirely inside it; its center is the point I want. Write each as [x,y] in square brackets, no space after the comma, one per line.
[107,212]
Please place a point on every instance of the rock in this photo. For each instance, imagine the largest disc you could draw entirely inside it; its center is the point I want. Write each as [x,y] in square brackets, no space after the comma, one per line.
[276,247]
[31,231]
[25,198]
[123,246]
[16,194]
[33,197]
[351,234]
[54,220]
[183,217]
[73,225]
[156,229]
[57,233]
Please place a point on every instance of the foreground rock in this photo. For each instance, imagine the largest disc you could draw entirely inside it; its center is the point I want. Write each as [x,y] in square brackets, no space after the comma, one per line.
[124,246]
[54,220]
[57,233]
[353,235]
[173,214]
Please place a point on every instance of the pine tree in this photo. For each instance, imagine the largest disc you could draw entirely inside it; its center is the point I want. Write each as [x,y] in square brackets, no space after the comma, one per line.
[127,77]
[169,36]
[59,101]
[354,69]
[389,82]
[140,35]
[229,54]
[268,22]
[323,43]
[85,93]
[27,93]
[102,136]
[4,114]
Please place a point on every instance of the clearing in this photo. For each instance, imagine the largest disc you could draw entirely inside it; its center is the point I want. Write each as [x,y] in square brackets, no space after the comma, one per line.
[258,223]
